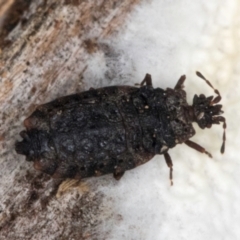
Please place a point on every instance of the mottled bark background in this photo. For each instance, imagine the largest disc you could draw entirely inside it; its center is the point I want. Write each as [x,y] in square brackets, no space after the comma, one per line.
[44,45]
[53,48]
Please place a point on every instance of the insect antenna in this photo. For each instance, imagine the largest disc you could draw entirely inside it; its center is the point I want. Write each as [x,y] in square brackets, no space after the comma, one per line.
[218,98]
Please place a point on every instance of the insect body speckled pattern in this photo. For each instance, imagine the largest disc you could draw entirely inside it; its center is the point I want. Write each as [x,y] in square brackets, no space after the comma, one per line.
[114,129]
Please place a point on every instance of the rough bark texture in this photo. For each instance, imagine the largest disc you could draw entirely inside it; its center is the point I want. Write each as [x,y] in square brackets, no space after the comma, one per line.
[44,46]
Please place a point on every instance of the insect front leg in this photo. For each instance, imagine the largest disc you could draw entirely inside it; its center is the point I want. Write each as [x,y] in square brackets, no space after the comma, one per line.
[197,147]
[180,82]
[147,80]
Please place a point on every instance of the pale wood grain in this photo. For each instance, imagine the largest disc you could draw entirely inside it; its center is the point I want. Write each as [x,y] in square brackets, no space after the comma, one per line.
[44,58]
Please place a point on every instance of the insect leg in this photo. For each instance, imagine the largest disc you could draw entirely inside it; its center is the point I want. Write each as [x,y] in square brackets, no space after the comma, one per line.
[170,165]
[180,82]
[118,175]
[223,120]
[147,80]
[197,147]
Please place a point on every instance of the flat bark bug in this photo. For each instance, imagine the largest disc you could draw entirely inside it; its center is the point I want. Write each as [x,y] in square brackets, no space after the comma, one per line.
[114,129]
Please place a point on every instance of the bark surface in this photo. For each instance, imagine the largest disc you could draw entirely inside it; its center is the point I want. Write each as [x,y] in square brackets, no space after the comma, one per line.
[44,48]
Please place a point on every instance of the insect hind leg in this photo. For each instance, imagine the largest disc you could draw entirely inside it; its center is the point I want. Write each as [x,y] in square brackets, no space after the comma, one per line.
[118,175]
[170,165]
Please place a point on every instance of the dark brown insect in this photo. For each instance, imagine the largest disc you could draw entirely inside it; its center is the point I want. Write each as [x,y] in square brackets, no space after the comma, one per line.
[114,129]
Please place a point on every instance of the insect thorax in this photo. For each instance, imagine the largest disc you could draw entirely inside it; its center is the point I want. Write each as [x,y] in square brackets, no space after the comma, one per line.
[163,118]
[178,110]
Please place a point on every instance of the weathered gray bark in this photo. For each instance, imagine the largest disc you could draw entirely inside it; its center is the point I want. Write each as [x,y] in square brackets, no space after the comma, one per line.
[42,56]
